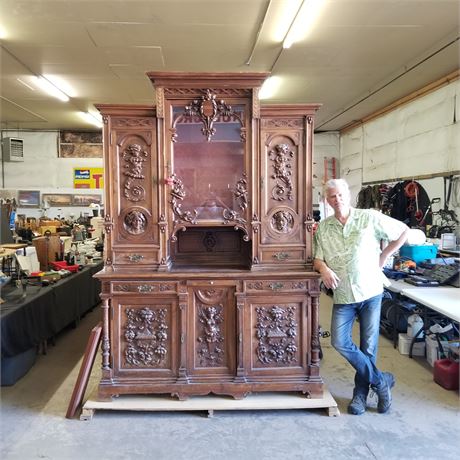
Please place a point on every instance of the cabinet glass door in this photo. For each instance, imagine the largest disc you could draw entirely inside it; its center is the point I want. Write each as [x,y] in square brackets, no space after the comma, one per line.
[208,160]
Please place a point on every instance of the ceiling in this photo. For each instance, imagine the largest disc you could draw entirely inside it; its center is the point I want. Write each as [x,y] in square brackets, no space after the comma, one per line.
[359,56]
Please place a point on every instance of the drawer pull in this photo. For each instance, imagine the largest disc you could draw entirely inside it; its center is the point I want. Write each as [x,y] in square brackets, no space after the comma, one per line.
[135,258]
[281,256]
[276,286]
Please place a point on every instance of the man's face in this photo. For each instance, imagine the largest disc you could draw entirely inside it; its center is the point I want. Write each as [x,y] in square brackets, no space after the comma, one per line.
[338,198]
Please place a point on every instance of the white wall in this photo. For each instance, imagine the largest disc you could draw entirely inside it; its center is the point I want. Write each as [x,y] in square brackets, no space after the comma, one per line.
[419,138]
[326,146]
[43,170]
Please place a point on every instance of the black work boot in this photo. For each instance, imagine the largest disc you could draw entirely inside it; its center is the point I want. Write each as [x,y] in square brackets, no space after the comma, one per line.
[358,404]
[383,391]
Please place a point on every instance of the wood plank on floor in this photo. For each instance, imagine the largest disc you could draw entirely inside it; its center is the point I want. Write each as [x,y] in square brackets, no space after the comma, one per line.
[211,403]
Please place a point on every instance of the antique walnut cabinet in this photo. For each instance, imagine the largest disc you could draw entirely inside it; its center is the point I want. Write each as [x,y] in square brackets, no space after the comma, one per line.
[208,284]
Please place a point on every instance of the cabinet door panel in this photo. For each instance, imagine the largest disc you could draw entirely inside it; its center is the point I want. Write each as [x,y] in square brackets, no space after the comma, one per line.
[279,332]
[136,202]
[283,198]
[147,331]
[211,331]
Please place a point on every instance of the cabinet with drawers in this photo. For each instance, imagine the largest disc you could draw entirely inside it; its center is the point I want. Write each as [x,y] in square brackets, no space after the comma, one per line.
[208,285]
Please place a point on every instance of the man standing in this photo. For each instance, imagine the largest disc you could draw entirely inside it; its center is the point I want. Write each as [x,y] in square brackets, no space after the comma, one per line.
[349,258]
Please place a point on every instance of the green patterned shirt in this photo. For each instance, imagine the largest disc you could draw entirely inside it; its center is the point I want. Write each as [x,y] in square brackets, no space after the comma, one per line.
[352,251]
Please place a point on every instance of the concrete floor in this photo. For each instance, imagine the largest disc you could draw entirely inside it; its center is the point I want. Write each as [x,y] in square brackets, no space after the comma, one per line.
[422,424]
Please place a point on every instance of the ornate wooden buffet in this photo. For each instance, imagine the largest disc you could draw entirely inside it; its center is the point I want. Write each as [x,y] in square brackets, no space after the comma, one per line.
[208,284]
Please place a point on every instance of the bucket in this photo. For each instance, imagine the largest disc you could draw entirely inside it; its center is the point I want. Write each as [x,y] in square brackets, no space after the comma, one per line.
[414,324]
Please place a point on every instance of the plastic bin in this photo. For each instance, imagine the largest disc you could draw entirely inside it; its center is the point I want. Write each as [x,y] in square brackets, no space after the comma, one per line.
[418,252]
[404,342]
[62,265]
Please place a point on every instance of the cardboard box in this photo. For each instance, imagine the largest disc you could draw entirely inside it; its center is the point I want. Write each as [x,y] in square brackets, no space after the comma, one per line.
[404,342]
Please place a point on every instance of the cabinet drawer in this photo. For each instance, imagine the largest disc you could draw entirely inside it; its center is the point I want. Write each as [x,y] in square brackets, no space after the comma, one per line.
[282,256]
[276,286]
[130,287]
[135,257]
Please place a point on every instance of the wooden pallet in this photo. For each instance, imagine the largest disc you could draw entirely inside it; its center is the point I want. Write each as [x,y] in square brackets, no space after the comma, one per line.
[211,403]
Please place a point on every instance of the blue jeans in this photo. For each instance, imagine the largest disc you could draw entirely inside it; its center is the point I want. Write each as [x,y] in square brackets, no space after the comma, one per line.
[364,358]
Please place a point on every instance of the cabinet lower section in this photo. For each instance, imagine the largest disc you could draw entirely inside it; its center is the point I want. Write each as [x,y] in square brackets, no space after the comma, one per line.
[194,334]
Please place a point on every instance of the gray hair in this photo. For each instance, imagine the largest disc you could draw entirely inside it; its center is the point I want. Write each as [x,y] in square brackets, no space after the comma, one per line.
[335,183]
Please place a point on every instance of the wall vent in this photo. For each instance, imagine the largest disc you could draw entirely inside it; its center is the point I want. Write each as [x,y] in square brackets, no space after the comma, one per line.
[12,149]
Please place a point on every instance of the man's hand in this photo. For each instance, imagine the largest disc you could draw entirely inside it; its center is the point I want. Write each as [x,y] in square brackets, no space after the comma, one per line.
[329,277]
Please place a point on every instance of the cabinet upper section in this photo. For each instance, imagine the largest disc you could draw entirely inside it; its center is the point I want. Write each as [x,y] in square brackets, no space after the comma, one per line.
[208,156]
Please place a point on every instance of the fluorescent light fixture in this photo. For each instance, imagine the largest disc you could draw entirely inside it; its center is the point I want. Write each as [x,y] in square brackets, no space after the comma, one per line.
[61,84]
[25,84]
[50,89]
[92,119]
[284,18]
[303,21]
[269,87]
[3,33]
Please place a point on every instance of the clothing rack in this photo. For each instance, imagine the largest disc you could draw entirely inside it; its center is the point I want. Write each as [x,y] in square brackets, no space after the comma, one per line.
[419,177]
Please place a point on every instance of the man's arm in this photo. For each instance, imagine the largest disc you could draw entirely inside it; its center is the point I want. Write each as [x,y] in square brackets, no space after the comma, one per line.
[330,279]
[393,246]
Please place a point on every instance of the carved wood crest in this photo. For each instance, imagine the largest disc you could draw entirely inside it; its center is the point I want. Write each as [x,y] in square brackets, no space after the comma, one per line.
[276,332]
[209,110]
[146,335]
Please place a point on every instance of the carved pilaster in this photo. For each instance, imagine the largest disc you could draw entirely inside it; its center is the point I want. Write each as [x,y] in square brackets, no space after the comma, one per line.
[183,300]
[315,345]
[309,222]
[105,347]
[255,103]
[162,223]
[255,223]
[108,224]
[240,373]
[160,102]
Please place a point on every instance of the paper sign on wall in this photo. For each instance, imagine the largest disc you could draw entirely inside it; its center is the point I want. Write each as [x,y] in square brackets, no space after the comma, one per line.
[88,177]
